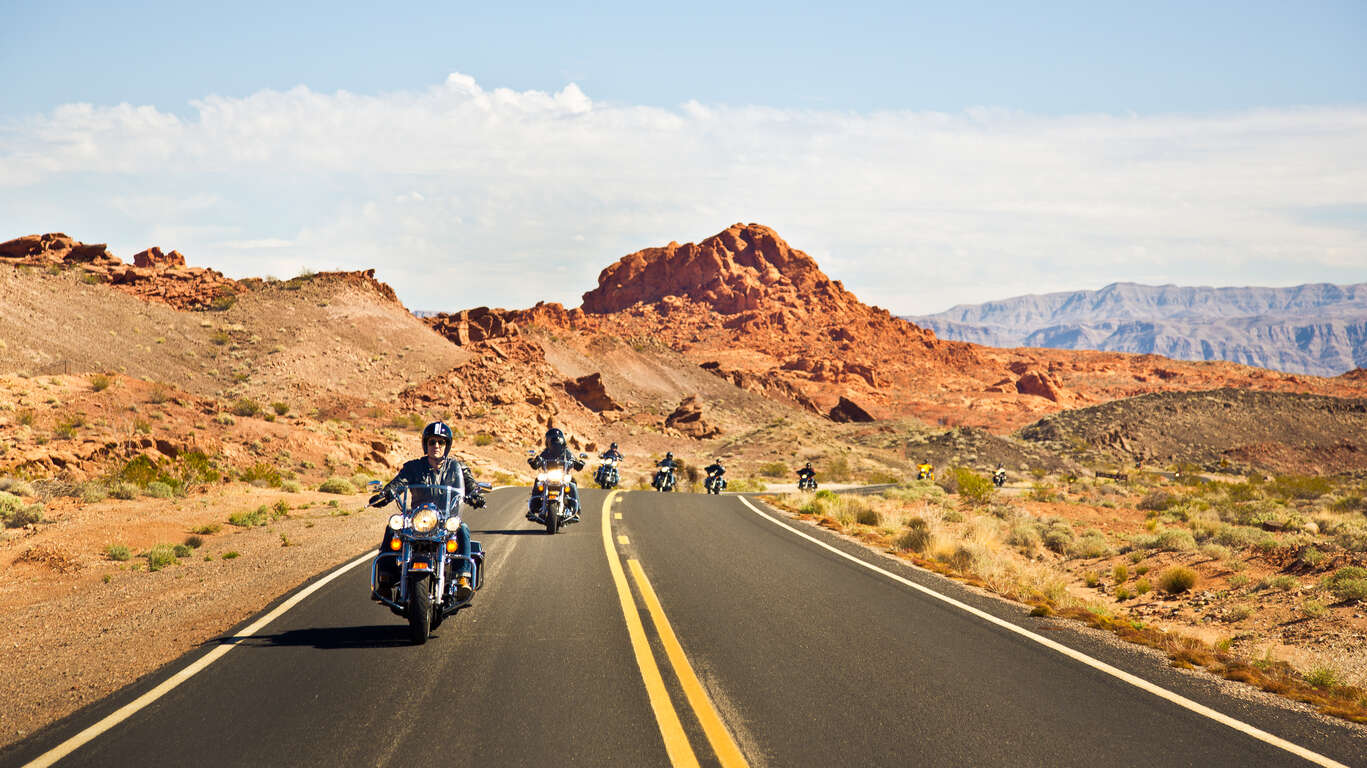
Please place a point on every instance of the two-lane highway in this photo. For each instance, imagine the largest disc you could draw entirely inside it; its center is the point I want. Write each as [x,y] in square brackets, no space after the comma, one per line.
[676,629]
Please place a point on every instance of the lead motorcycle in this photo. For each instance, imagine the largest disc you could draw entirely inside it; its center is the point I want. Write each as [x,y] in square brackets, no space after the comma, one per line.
[806,482]
[551,503]
[606,474]
[714,484]
[426,555]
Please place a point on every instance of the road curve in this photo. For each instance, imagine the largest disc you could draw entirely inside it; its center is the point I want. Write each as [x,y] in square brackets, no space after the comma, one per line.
[803,657]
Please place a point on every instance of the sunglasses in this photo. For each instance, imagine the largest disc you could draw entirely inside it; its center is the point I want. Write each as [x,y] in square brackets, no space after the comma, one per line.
[435,441]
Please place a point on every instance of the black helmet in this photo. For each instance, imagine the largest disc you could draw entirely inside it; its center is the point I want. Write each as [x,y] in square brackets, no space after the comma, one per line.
[613,447]
[718,461]
[440,431]
[669,454]
[555,439]
[809,465]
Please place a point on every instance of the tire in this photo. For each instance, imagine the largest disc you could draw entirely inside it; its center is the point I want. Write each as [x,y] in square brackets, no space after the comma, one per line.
[419,609]
[552,518]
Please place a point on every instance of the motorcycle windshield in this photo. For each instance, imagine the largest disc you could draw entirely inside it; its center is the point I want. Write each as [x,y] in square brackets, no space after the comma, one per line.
[446,498]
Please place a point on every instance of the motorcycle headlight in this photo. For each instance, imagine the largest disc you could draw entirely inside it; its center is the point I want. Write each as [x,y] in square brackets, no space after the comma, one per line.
[541,478]
[453,523]
[555,476]
[425,520]
[396,522]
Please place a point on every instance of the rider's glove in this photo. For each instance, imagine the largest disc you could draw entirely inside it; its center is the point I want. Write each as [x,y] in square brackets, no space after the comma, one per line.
[379,499]
[475,501]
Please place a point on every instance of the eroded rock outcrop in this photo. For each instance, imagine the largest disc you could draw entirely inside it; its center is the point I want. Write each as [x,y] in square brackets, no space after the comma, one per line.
[471,326]
[688,419]
[590,393]
[847,410]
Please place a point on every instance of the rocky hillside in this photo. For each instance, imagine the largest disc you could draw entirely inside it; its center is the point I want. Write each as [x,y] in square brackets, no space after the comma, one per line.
[1317,329]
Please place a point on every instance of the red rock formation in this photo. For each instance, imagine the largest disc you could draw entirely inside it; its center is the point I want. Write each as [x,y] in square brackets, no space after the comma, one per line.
[474,325]
[847,410]
[1038,384]
[590,393]
[153,258]
[55,248]
[688,419]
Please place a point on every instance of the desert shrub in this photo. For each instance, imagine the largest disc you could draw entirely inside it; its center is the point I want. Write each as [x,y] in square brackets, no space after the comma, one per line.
[280,408]
[67,425]
[195,467]
[160,556]
[1313,609]
[14,513]
[964,559]
[225,420]
[280,508]
[123,490]
[1120,573]
[483,438]
[158,393]
[245,407]
[947,482]
[866,516]
[290,486]
[1042,492]
[1058,537]
[952,516]
[1157,501]
[975,488]
[1176,540]
[1093,544]
[194,542]
[1323,678]
[182,550]
[915,491]
[1091,579]
[774,469]
[262,475]
[1215,551]
[140,471]
[99,382]
[208,530]
[1123,593]
[1300,486]
[1311,557]
[118,552]
[1177,579]
[16,486]
[1283,582]
[336,485]
[1240,536]
[247,519]
[231,554]
[159,490]
[25,417]
[916,538]
[1348,583]
[1025,537]
[1236,613]
[1142,587]
[1242,492]
[881,477]
[1239,580]
[1352,537]
[93,491]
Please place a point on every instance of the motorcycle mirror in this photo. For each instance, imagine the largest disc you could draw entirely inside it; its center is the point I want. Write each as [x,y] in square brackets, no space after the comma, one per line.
[530,452]
[583,455]
[485,486]
[373,485]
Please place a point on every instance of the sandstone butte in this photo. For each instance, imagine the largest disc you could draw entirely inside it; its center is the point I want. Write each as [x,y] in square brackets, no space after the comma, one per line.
[749,308]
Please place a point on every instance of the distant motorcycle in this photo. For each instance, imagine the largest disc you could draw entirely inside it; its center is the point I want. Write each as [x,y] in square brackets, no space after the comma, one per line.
[999,478]
[664,480]
[552,504]
[714,484]
[606,474]
[806,482]
[425,552]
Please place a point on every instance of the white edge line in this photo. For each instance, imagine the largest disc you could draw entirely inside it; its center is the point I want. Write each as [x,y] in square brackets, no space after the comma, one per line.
[1076,655]
[128,710]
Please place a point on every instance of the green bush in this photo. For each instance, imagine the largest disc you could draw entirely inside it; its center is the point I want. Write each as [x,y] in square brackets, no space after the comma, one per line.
[280,408]
[1348,584]
[1058,537]
[261,475]
[182,550]
[247,519]
[1093,544]
[866,516]
[975,488]
[1142,587]
[1025,537]
[291,486]
[208,530]
[1306,487]
[118,552]
[483,438]
[1311,557]
[336,485]
[1120,573]
[100,381]
[159,490]
[93,491]
[231,554]
[774,469]
[1043,492]
[160,556]
[1158,501]
[1177,579]
[246,407]
[194,542]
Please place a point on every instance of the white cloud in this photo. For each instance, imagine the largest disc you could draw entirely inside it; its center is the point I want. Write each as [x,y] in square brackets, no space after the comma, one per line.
[461,195]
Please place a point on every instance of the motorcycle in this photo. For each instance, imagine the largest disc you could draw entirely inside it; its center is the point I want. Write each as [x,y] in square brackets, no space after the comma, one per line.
[714,484]
[606,474]
[426,556]
[552,504]
[806,482]
[999,478]
[664,480]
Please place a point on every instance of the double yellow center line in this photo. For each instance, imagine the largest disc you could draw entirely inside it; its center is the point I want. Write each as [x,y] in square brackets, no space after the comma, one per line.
[680,751]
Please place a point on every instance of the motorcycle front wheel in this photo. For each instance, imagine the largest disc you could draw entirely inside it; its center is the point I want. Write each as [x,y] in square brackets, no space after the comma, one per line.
[419,609]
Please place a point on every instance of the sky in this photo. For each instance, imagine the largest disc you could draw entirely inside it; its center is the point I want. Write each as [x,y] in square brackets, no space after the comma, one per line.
[501,154]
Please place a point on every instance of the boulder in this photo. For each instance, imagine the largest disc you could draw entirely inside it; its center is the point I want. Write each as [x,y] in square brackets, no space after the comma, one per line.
[1039,384]
[153,258]
[590,393]
[688,419]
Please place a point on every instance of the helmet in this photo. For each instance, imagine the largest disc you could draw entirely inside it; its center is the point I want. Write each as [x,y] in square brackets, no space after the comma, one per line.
[809,465]
[555,439]
[440,431]
[717,461]
[669,454]
[612,447]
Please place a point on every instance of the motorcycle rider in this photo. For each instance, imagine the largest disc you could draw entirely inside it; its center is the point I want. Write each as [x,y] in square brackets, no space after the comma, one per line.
[668,464]
[611,454]
[805,473]
[434,467]
[716,469]
[999,476]
[924,471]
[556,452]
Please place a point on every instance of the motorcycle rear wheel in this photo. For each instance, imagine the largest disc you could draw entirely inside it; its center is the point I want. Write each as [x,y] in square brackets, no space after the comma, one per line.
[419,609]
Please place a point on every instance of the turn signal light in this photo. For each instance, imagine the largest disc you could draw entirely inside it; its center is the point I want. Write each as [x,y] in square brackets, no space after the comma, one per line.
[418,566]
[451,545]
[395,544]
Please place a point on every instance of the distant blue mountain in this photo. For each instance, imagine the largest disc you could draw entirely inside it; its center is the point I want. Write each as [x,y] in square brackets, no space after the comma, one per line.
[1318,329]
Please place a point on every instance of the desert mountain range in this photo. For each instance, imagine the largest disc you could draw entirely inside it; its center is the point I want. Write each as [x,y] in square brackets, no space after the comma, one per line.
[737,344]
[1317,329]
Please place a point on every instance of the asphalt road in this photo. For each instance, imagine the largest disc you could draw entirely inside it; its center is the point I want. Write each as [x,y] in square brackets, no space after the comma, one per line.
[804,657]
